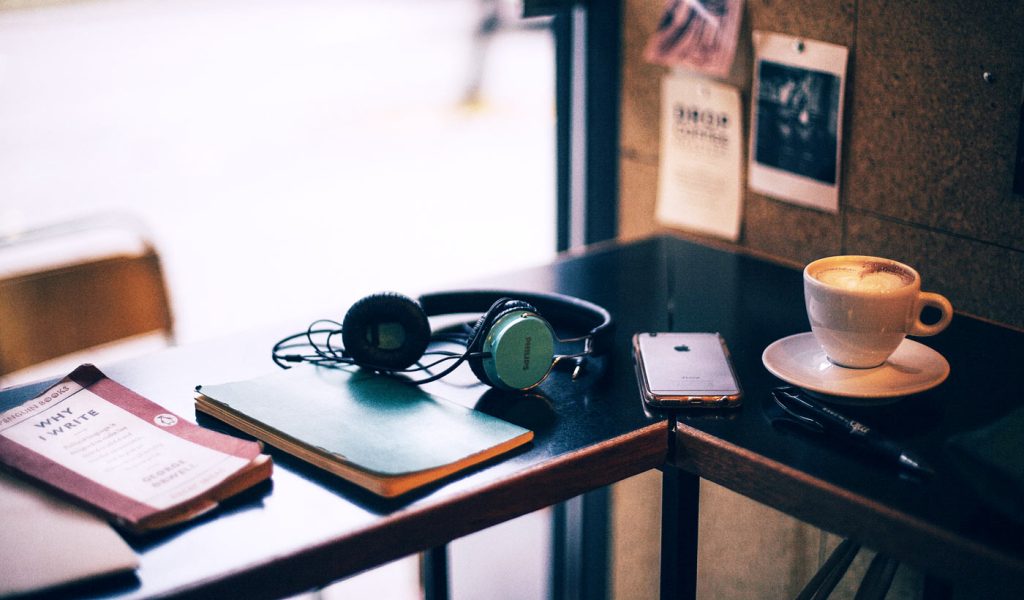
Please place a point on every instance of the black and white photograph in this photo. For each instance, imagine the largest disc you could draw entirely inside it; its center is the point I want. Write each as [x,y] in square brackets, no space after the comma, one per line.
[796,120]
[797,112]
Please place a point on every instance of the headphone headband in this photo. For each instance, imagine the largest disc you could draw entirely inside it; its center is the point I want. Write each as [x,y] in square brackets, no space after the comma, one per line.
[569,311]
[511,347]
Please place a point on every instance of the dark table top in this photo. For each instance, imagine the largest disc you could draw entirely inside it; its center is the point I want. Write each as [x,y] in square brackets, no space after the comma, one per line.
[940,524]
[307,528]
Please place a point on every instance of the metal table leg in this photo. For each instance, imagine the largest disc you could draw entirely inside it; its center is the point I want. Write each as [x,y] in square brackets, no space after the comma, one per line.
[434,573]
[680,497]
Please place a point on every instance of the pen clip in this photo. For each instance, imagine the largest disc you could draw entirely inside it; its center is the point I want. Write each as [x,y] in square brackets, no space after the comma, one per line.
[783,397]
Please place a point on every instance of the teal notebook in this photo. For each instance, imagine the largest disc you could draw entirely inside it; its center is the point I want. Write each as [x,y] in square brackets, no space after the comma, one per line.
[382,434]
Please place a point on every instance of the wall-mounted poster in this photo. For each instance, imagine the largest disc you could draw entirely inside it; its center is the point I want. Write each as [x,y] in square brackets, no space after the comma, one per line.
[796,120]
[698,35]
[700,174]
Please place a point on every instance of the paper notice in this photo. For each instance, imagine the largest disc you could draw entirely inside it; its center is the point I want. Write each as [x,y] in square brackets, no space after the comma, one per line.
[796,119]
[699,35]
[700,173]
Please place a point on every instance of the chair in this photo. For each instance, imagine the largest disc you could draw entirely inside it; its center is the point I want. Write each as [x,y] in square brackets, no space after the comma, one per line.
[874,585]
[78,286]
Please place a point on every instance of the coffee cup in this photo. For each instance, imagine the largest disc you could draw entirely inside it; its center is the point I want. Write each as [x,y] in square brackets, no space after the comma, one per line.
[862,307]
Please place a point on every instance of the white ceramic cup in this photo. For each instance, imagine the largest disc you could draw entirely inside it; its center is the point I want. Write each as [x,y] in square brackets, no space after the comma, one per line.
[861,308]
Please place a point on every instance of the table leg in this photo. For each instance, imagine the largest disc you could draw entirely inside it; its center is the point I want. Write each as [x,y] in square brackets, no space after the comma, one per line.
[680,497]
[580,547]
[595,523]
[434,566]
[564,553]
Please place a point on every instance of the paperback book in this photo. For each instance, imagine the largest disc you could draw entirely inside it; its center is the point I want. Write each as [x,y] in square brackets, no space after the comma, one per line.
[129,459]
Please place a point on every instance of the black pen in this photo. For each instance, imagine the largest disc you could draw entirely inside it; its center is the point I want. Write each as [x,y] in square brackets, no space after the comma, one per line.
[831,421]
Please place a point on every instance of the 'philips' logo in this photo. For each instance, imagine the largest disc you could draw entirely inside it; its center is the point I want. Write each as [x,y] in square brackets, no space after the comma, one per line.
[526,354]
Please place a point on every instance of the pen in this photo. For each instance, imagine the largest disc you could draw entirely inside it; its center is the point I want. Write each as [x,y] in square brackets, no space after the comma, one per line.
[828,420]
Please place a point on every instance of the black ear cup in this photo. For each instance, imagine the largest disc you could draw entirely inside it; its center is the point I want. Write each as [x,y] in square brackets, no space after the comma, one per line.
[386,331]
[483,325]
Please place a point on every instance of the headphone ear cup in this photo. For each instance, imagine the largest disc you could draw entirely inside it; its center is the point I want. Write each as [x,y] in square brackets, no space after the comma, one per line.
[497,310]
[385,331]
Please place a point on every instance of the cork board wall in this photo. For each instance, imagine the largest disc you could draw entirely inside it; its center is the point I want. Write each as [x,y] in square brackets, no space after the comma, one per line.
[929,145]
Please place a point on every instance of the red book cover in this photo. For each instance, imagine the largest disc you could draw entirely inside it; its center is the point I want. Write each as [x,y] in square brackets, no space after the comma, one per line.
[123,455]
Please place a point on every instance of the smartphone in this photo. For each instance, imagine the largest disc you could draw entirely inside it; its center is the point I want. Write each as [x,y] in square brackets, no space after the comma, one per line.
[684,370]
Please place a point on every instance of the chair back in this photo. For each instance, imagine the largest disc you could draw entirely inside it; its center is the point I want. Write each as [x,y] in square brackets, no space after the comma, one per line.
[52,311]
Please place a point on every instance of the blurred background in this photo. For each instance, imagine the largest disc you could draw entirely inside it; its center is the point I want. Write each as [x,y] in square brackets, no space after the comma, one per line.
[286,158]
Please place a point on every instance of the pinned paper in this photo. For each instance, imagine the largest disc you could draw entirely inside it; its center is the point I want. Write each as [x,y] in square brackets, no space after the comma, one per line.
[796,119]
[699,35]
[700,174]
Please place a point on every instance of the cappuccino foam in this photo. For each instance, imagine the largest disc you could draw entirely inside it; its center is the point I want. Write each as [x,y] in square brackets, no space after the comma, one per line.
[867,276]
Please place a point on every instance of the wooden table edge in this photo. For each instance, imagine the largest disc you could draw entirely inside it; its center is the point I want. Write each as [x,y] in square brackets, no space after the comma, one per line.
[418,528]
[805,497]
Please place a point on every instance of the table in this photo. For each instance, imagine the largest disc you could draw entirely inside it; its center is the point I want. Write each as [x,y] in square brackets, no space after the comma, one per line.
[938,525]
[307,529]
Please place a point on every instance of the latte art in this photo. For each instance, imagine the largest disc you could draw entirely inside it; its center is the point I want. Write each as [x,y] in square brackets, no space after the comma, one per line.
[864,276]
[861,308]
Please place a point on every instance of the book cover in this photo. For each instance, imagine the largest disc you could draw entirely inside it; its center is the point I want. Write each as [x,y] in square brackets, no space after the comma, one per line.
[46,543]
[130,459]
[378,432]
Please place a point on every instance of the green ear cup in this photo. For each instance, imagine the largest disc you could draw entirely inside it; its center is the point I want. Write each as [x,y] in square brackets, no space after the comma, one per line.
[499,308]
[521,346]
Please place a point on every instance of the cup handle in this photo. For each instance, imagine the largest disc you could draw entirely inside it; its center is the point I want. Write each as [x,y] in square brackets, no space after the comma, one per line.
[936,301]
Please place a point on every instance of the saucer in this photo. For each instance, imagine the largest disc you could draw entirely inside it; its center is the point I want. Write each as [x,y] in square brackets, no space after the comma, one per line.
[800,361]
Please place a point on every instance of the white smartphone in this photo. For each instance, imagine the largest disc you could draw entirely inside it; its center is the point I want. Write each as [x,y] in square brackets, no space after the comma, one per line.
[682,370]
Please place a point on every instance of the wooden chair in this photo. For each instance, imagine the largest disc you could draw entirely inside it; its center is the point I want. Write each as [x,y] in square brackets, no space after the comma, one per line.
[874,585]
[77,302]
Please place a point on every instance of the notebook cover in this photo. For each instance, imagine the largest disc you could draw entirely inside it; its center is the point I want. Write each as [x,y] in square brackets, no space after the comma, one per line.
[377,425]
[990,460]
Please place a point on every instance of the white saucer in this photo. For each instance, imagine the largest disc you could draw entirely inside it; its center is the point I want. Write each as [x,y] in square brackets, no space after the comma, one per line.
[800,361]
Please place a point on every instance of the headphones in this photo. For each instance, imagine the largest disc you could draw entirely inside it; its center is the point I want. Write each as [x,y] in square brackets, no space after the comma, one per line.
[511,347]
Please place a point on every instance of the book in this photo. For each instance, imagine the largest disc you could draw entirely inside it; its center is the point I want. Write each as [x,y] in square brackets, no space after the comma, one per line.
[124,456]
[376,431]
[46,542]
